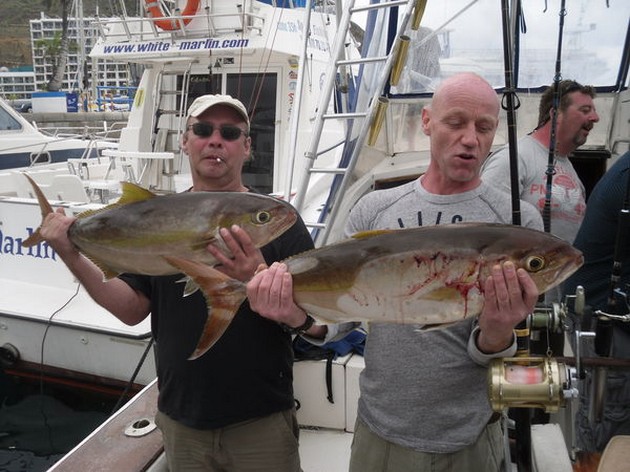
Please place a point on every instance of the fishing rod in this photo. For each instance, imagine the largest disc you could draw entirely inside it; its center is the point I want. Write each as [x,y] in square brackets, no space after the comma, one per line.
[605,321]
[510,104]
[546,213]
[522,417]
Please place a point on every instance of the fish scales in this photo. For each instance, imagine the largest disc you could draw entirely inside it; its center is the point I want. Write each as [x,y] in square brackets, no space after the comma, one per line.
[430,275]
[421,282]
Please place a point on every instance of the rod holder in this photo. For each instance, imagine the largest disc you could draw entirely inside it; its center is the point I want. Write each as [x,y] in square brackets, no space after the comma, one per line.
[418,12]
[400,59]
[377,120]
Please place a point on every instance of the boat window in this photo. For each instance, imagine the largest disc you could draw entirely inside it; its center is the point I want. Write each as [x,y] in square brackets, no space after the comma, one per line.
[460,35]
[201,85]
[41,157]
[7,122]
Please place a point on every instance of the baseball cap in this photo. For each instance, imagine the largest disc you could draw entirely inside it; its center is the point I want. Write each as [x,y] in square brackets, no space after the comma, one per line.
[202,103]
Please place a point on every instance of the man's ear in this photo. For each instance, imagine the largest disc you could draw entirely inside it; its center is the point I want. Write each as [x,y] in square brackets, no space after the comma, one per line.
[426,118]
[183,143]
[248,146]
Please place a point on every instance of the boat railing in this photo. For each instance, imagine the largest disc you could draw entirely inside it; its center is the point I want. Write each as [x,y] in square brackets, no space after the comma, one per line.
[220,18]
[105,132]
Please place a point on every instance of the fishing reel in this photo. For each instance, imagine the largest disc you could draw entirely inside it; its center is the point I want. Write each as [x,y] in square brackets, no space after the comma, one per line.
[530,382]
[534,382]
[546,382]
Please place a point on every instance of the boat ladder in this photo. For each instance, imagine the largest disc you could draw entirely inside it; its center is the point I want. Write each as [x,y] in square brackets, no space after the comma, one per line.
[169,115]
[367,114]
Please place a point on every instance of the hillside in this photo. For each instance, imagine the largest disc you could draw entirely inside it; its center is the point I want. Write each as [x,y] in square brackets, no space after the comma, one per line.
[15,49]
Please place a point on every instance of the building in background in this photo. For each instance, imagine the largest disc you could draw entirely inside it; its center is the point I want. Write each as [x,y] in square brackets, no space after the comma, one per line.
[81,73]
[16,85]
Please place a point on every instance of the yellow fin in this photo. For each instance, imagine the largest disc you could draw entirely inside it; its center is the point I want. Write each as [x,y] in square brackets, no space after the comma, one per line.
[134,193]
[431,327]
[371,233]
[131,193]
[108,273]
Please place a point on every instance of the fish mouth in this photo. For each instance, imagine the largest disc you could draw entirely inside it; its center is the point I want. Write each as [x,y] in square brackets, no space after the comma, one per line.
[565,270]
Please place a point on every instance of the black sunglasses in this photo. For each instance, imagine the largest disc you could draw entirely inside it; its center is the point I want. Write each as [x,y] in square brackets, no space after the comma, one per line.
[228,132]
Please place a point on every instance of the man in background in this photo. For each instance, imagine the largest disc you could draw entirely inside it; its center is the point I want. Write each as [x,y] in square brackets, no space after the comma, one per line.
[604,239]
[576,117]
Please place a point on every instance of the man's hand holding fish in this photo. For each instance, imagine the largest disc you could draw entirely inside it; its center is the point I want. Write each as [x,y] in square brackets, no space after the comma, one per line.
[270,293]
[242,258]
[510,295]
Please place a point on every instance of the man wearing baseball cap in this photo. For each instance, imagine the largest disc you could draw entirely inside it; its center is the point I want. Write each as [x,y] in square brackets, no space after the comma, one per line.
[232,409]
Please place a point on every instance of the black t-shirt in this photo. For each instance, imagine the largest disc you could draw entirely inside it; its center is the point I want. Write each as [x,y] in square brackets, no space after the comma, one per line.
[246,374]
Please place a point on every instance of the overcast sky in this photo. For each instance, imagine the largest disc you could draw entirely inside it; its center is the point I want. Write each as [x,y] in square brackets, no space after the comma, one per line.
[593,39]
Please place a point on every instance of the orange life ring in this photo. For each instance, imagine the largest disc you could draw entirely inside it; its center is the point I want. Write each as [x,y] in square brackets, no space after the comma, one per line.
[170,24]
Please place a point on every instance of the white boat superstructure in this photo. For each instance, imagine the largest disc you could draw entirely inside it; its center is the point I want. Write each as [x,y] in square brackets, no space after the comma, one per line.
[251,51]
[331,121]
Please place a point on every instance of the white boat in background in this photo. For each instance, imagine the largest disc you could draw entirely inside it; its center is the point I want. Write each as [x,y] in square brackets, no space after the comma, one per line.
[22,145]
[335,113]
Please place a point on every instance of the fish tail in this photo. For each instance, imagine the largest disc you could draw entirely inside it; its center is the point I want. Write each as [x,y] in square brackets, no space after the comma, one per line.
[45,208]
[224,296]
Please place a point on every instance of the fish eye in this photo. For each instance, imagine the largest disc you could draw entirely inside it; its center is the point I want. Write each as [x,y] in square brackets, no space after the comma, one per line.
[534,263]
[262,217]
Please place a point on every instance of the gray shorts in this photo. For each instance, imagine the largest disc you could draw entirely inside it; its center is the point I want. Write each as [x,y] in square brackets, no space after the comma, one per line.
[268,444]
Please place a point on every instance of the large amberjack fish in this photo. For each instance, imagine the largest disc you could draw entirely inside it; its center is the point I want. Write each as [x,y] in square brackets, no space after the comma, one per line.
[429,276]
[133,234]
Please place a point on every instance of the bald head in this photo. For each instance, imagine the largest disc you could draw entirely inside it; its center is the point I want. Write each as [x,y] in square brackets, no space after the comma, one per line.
[461,123]
[466,84]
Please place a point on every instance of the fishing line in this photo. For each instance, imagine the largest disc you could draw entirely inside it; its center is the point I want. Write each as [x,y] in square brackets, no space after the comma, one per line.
[41,366]
[133,377]
[264,66]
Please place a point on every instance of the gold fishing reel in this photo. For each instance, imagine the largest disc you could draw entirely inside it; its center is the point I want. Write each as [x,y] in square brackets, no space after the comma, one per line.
[530,382]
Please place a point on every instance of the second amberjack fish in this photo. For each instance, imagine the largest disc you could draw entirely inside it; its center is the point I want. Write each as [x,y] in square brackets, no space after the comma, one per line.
[429,275]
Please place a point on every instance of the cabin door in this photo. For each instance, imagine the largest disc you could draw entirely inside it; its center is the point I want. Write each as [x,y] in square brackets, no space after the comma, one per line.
[258,93]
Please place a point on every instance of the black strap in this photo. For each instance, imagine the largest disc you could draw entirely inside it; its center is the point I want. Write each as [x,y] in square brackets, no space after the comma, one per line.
[329,391]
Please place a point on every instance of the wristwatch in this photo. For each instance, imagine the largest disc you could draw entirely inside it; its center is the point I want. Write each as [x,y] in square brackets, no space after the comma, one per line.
[303,328]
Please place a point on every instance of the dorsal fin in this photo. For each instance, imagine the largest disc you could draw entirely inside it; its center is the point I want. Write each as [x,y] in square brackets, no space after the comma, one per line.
[134,193]
[371,233]
[131,193]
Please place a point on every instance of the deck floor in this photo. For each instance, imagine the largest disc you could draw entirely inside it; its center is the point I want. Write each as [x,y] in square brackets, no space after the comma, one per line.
[325,450]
